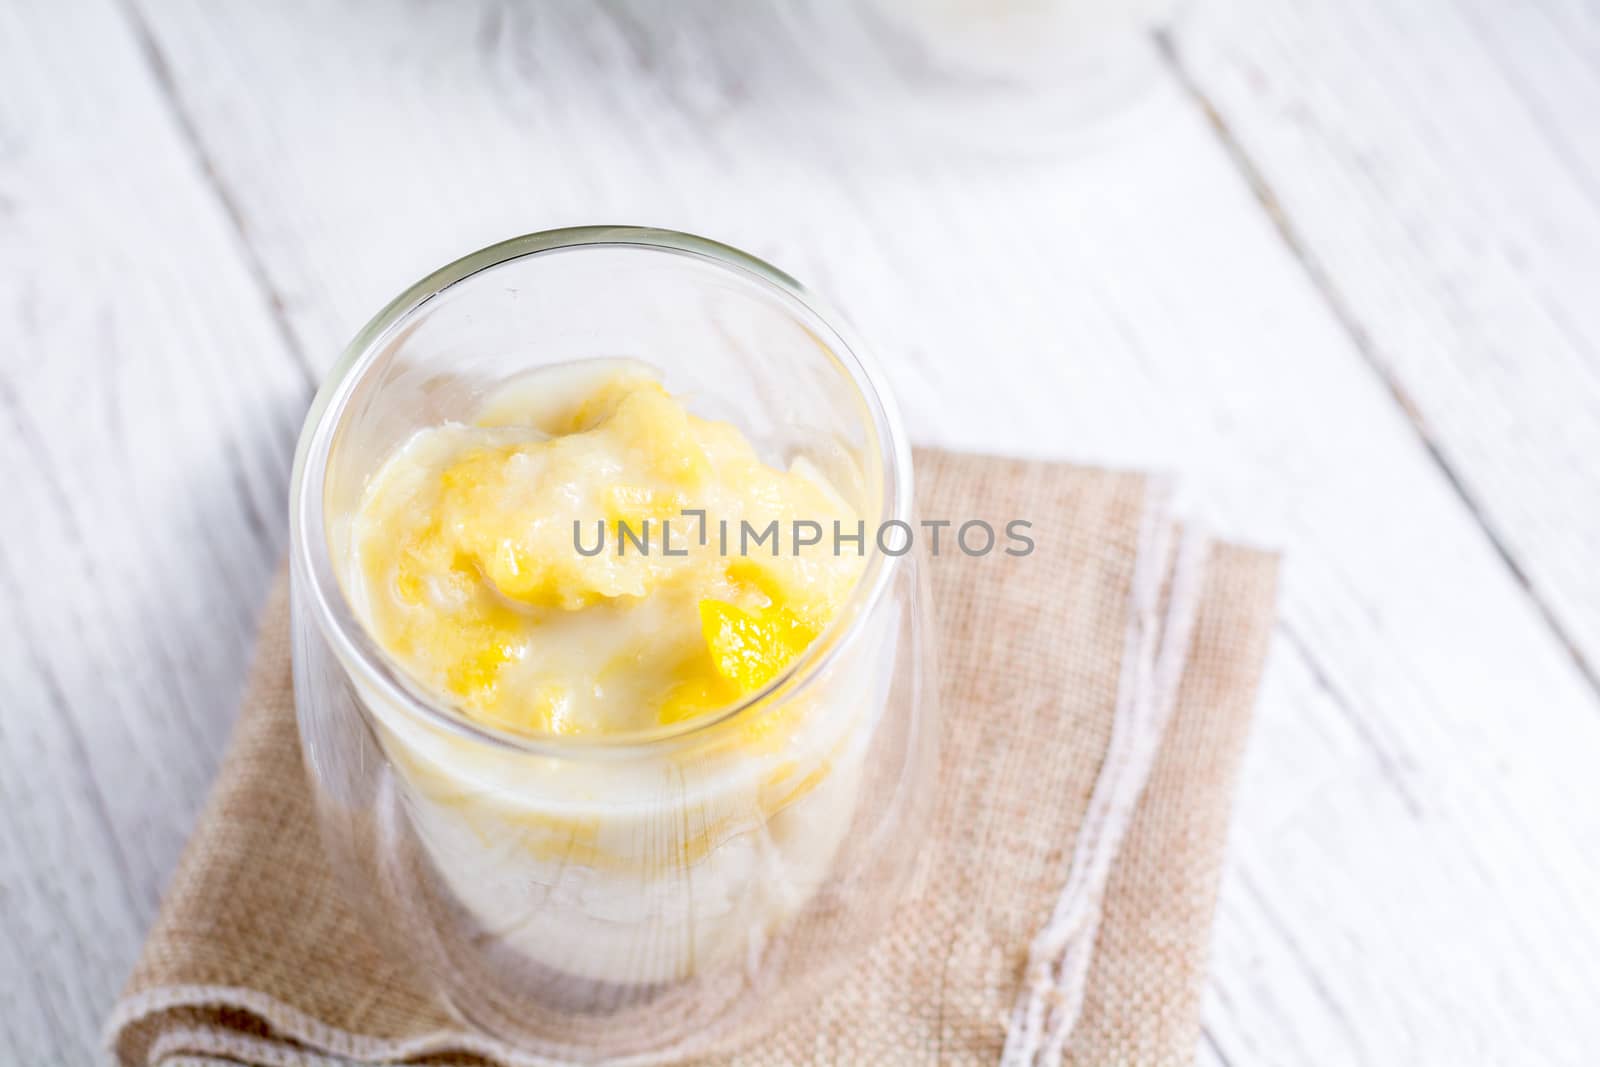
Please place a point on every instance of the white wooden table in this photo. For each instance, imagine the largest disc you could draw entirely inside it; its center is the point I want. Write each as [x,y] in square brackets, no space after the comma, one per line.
[1344,277]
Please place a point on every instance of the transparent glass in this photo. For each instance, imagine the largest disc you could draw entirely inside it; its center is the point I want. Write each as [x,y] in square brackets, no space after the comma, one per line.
[1011,76]
[657,893]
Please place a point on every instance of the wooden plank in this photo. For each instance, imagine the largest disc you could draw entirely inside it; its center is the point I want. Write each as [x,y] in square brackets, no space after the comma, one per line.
[1439,165]
[147,405]
[1412,830]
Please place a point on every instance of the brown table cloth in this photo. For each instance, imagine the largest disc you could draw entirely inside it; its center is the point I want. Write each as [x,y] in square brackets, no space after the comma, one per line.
[1096,696]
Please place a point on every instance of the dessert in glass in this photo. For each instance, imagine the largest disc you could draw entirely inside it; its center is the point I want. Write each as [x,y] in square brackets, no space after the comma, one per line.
[611,665]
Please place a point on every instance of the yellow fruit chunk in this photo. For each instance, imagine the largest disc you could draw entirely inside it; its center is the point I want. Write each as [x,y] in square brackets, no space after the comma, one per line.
[750,648]
[696,696]
[652,424]
[482,646]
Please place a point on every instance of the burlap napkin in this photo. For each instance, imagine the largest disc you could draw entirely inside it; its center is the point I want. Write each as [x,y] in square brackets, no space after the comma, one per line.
[1096,695]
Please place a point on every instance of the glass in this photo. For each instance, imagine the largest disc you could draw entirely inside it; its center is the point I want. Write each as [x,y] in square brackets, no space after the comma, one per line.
[622,894]
[1009,76]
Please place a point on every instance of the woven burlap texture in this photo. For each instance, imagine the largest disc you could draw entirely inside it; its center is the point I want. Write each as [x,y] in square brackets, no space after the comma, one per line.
[257,957]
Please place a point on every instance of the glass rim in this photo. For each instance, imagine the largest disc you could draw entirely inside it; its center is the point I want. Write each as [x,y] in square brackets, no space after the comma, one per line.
[359,653]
